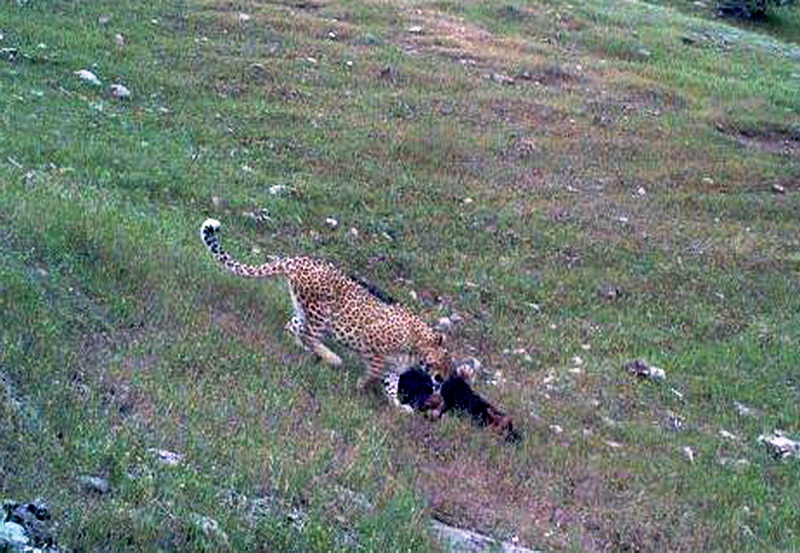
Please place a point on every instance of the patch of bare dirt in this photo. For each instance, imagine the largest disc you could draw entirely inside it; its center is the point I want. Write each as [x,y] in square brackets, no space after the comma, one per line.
[768,139]
[430,30]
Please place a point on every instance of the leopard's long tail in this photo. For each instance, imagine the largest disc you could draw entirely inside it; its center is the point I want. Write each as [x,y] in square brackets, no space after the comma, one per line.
[209,233]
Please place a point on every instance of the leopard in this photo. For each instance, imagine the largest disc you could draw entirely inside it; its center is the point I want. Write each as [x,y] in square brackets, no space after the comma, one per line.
[328,303]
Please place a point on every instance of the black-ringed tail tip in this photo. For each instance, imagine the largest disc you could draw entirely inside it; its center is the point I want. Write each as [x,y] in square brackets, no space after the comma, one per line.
[208,231]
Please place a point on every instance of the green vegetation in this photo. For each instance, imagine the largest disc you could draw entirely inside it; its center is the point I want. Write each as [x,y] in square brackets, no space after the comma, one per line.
[502,160]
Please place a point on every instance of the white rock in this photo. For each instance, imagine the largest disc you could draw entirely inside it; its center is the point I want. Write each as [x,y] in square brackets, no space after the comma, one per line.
[277,189]
[331,222]
[415,29]
[167,457]
[119,91]
[744,411]
[88,77]
[244,17]
[727,435]
[688,452]
[119,40]
[780,446]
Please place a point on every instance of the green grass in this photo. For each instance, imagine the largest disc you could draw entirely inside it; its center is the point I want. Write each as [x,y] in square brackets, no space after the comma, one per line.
[513,204]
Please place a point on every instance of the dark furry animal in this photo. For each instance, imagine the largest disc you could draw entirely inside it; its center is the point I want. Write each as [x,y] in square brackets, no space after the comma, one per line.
[458,395]
[414,389]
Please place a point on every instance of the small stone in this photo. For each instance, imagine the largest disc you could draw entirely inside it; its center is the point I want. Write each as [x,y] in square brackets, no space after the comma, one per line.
[210,529]
[332,35]
[278,189]
[641,191]
[243,17]
[780,446]
[500,78]
[609,292]
[311,60]
[444,324]
[744,411]
[778,189]
[613,444]
[331,222]
[167,457]
[688,452]
[88,77]
[556,429]
[467,201]
[13,535]
[119,91]
[119,40]
[95,484]
[415,29]
[8,53]
[354,232]
[707,180]
[641,369]
[727,435]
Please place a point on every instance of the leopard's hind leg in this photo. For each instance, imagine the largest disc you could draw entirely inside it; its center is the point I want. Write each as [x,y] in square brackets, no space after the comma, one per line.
[308,330]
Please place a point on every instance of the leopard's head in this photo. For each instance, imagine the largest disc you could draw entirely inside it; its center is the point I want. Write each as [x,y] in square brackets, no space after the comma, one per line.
[437,360]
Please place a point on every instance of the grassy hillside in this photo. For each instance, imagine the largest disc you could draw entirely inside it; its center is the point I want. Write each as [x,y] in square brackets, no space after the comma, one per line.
[583,183]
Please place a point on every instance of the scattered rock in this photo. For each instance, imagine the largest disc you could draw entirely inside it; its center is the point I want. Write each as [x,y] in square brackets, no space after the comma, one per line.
[9,53]
[88,77]
[119,91]
[501,78]
[471,365]
[389,73]
[415,29]
[609,292]
[780,446]
[444,324]
[727,435]
[119,40]
[641,369]
[279,189]
[688,452]
[210,529]
[13,537]
[243,17]
[675,422]
[95,484]
[166,457]
[778,189]
[467,541]
[744,411]
[331,222]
